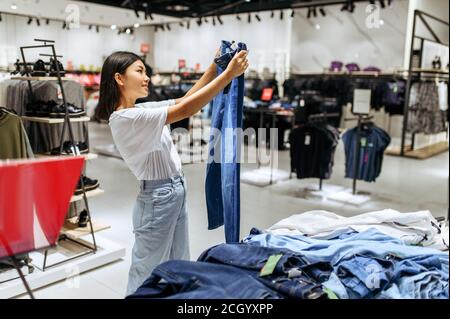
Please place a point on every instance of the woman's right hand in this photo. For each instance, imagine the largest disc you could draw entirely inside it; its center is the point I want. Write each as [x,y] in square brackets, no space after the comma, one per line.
[238,64]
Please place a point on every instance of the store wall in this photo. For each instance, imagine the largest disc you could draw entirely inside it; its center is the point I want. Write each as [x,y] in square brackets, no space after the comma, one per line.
[345,37]
[81,46]
[268,42]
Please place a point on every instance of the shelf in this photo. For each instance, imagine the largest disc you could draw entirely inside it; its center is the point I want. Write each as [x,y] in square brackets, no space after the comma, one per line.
[50,120]
[89,194]
[71,229]
[87,157]
[41,78]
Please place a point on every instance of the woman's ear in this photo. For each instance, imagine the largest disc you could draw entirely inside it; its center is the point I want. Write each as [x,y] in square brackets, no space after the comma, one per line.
[118,78]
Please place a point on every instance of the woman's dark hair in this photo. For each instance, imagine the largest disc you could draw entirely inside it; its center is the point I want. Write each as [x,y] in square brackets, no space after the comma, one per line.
[109,97]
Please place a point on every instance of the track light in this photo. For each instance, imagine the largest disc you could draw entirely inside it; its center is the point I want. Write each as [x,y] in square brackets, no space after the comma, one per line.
[64,26]
[281,14]
[30,20]
[38,22]
[314,11]
[238,17]
[47,22]
[181,24]
[308,15]
[258,17]
[156,28]
[168,27]
[382,4]
[272,14]
[188,25]
[249,19]
[97,28]
[205,19]
[214,21]
[199,21]
[219,19]
[162,27]
[90,27]
[1,17]
[136,12]
[322,12]
[293,13]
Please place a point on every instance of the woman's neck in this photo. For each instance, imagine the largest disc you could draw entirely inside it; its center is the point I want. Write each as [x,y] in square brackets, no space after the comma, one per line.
[126,103]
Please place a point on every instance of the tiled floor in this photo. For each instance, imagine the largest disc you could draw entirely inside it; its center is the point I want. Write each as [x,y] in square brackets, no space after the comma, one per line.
[405,185]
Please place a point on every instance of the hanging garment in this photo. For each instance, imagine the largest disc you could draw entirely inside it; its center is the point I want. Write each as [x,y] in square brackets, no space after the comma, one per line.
[14,143]
[373,142]
[425,115]
[45,137]
[222,184]
[312,150]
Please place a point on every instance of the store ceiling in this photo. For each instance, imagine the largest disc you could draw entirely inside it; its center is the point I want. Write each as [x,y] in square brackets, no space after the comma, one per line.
[199,8]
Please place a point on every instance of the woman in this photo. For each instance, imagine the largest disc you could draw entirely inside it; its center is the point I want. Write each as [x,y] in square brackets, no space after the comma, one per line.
[143,139]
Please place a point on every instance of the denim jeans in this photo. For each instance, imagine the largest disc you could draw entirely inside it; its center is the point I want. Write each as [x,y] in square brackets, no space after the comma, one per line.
[222,184]
[415,272]
[160,225]
[252,259]
[178,279]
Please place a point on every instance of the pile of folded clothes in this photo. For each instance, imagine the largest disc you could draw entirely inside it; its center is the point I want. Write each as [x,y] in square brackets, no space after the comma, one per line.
[318,255]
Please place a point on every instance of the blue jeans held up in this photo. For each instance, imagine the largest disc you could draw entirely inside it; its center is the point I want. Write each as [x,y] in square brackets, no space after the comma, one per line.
[160,225]
[222,184]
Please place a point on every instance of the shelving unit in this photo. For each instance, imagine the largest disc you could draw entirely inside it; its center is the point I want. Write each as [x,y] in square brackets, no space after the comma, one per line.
[40,78]
[87,157]
[66,121]
[51,120]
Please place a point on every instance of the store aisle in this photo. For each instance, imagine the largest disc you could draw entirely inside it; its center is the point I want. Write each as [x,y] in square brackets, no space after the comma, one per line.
[261,207]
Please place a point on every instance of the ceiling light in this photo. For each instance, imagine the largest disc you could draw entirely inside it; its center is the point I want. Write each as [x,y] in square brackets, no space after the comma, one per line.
[317,26]
[113,27]
[381,22]
[14,6]
[136,25]
[128,31]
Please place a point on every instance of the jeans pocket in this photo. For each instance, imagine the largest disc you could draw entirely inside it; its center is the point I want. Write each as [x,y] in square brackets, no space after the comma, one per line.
[163,195]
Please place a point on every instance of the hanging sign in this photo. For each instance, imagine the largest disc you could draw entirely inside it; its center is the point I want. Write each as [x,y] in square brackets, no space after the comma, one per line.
[361,101]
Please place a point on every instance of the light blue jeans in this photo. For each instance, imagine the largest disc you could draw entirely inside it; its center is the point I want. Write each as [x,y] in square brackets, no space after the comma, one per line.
[160,225]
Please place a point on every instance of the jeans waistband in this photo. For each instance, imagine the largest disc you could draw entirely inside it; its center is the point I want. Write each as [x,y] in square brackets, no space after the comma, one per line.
[152,184]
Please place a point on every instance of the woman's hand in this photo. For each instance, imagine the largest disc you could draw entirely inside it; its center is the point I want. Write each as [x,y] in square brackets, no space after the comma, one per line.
[238,64]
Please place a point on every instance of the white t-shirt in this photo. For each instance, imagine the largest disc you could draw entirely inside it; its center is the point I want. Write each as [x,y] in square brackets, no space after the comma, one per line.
[144,142]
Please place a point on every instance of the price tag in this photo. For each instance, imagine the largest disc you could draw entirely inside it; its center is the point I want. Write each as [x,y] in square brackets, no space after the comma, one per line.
[270,265]
[59,92]
[307,139]
[363,142]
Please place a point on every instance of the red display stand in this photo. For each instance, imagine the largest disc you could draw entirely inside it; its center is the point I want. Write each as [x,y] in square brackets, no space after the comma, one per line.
[34,200]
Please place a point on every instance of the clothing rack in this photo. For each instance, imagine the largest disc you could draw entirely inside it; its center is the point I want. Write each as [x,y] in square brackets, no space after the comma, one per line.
[412,72]
[66,125]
